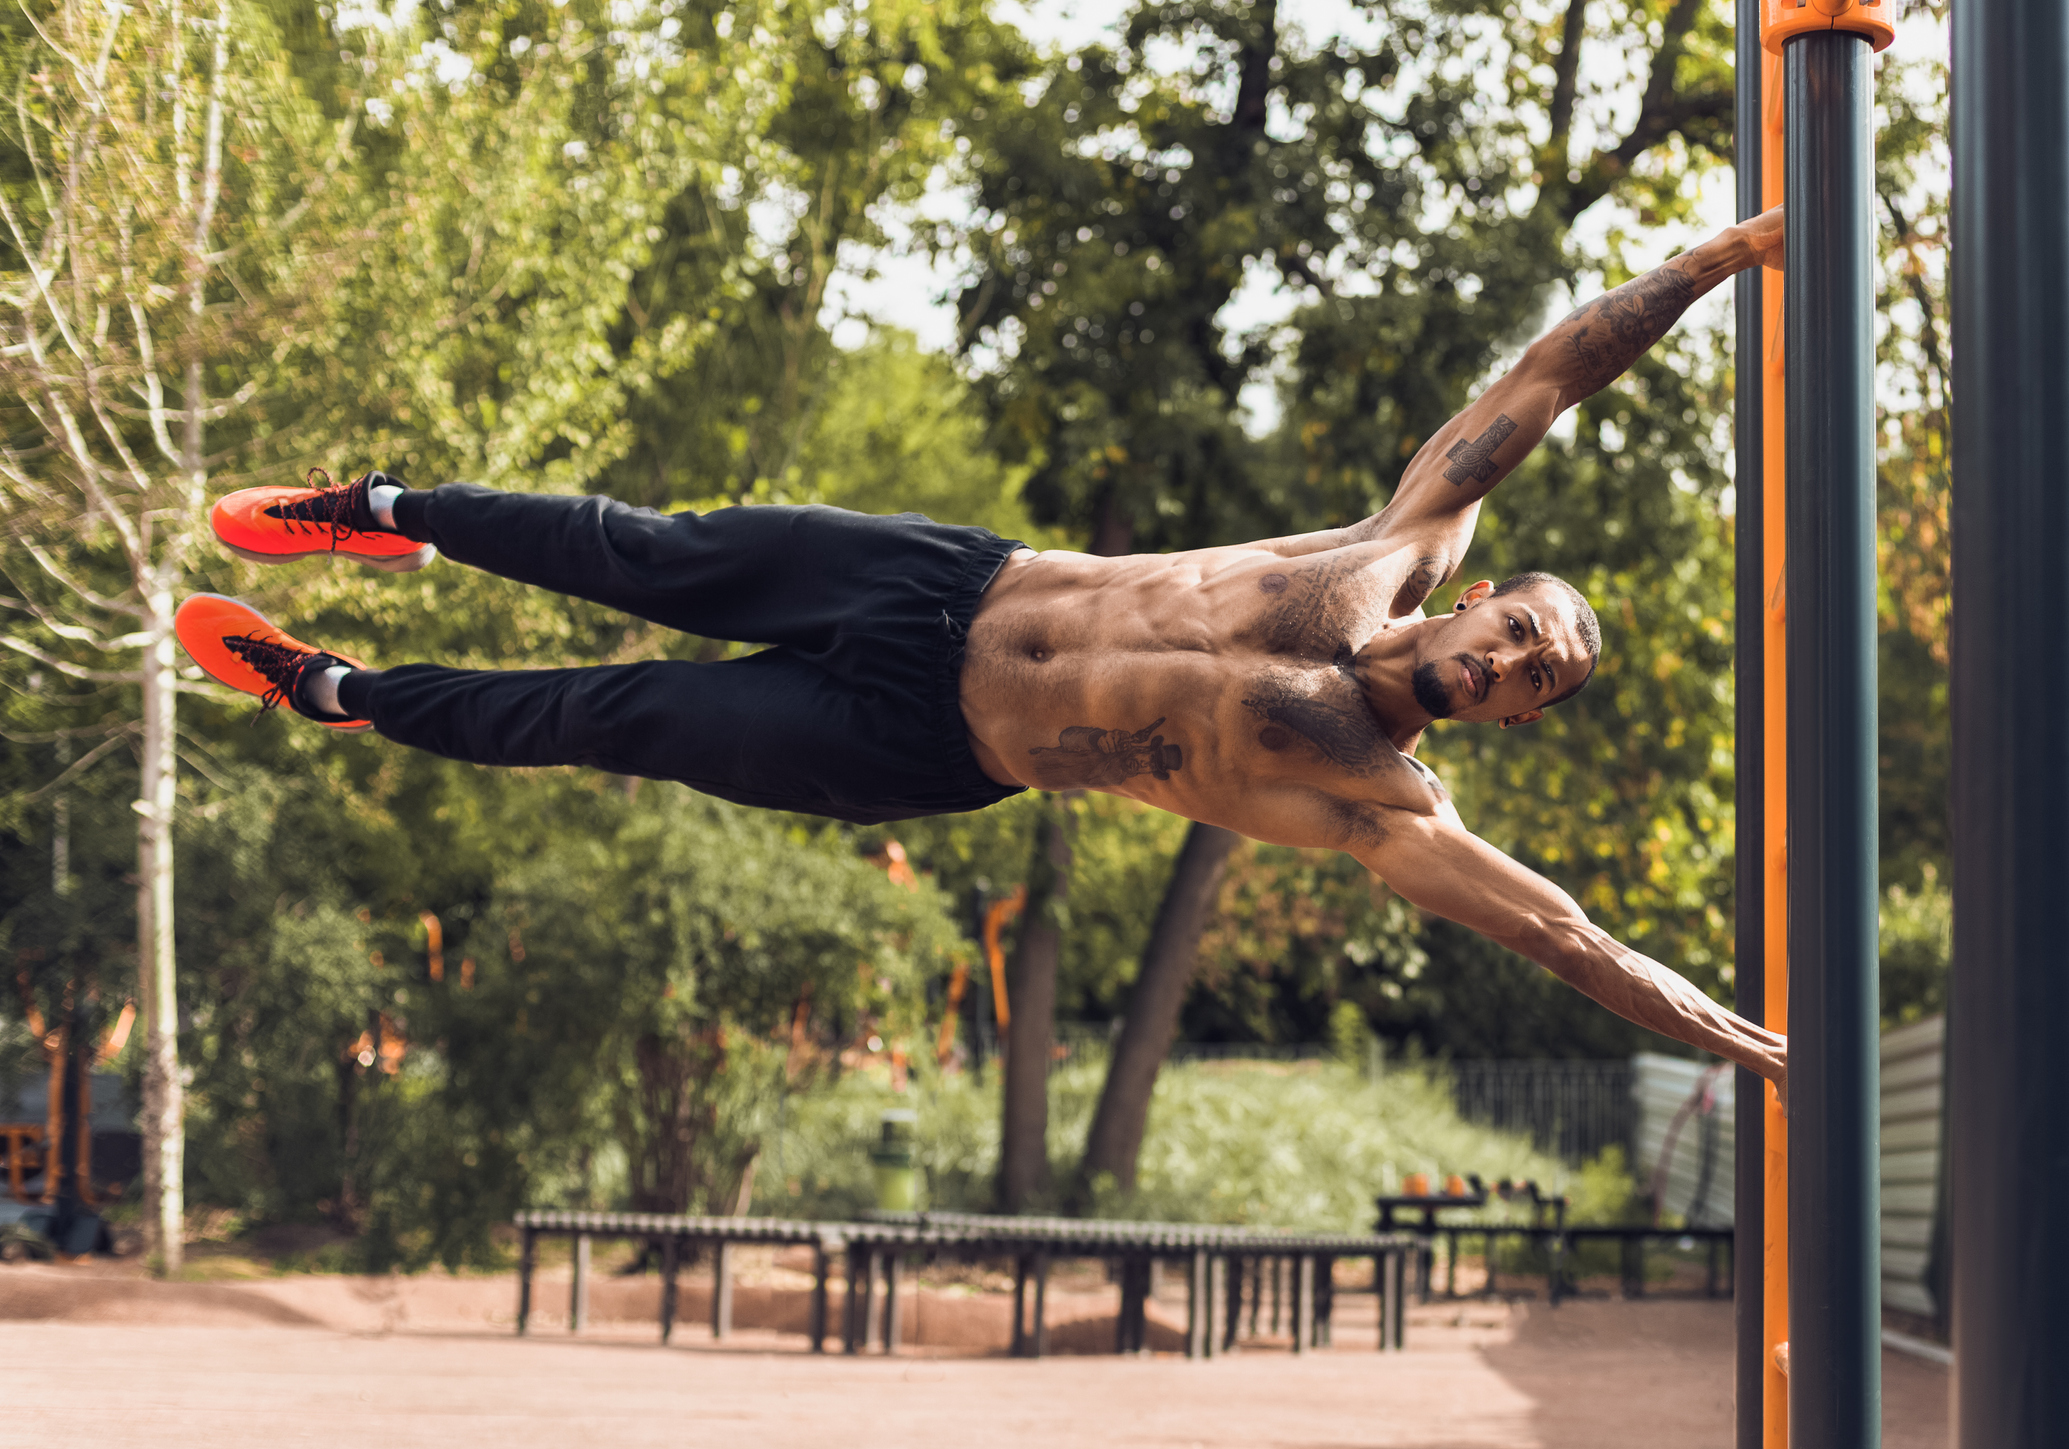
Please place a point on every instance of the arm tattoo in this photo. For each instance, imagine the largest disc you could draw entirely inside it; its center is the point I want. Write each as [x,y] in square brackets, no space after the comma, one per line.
[1474,461]
[1613,331]
[1086,757]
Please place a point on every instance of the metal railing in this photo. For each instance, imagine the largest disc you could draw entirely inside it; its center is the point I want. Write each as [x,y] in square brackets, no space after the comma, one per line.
[1572,1110]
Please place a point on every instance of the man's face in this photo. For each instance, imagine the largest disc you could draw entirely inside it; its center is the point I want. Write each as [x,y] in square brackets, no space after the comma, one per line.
[1500,659]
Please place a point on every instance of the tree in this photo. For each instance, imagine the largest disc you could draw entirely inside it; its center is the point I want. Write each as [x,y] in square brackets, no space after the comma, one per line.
[1413,191]
[163,214]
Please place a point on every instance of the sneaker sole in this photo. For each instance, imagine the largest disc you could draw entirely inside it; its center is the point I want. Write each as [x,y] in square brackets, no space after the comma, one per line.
[407,563]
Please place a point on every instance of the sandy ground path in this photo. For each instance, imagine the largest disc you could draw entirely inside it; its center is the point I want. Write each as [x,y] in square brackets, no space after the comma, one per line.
[1592,1375]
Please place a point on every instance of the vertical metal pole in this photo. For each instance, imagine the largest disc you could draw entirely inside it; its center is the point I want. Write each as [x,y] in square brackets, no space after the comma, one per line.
[671,1265]
[1835,1284]
[822,1270]
[527,1260]
[721,1288]
[2009,1019]
[578,1286]
[894,1307]
[1749,624]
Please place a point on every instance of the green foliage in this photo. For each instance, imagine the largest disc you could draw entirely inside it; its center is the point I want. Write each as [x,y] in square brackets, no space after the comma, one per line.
[1917,931]
[1303,1145]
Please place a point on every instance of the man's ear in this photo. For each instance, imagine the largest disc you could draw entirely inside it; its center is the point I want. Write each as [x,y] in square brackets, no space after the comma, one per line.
[1475,593]
[1529,716]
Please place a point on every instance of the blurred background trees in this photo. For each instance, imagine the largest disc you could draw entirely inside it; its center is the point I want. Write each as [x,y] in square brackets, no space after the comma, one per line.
[1214,274]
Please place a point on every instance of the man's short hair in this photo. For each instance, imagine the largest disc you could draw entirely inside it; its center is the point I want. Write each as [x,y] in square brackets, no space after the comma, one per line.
[1585,624]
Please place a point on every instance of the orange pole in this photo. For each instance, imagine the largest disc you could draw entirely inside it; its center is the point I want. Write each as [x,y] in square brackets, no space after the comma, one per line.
[1775,1260]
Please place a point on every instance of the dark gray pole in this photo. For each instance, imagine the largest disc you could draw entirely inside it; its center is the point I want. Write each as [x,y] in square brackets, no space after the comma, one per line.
[1749,956]
[1835,1288]
[2010,1015]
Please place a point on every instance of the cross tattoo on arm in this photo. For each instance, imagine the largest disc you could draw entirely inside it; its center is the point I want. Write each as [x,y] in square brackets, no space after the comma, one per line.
[1475,460]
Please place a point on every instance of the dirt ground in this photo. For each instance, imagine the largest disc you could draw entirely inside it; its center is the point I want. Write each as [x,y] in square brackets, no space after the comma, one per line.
[120,1361]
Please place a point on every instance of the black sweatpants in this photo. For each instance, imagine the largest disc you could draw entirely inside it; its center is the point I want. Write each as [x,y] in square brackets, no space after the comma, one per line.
[854,713]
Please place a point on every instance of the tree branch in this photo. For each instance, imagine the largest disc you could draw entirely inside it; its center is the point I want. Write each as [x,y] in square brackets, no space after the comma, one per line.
[49,565]
[66,667]
[1566,76]
[79,765]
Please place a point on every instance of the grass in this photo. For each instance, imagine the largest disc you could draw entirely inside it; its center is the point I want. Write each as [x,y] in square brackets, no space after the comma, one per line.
[1294,1145]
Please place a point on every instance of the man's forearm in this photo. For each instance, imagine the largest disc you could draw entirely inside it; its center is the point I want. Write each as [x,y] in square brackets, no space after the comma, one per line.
[1594,345]
[1639,989]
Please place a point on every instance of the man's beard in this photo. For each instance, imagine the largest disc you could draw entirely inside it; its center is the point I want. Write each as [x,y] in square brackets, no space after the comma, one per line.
[1430,693]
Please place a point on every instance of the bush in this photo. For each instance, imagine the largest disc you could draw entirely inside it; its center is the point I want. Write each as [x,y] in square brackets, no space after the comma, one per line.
[1293,1145]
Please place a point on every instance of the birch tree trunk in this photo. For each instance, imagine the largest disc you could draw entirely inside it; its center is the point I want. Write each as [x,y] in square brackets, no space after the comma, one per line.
[118,295]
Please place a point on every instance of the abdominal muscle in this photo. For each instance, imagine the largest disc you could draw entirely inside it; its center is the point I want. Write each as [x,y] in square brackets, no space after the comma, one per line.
[1096,673]
[1132,676]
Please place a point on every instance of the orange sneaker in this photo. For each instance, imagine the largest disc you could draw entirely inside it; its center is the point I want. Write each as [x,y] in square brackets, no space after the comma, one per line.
[237,645]
[278,525]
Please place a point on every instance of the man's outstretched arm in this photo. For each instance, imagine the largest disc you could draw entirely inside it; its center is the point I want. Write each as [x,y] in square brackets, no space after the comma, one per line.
[1590,349]
[1437,864]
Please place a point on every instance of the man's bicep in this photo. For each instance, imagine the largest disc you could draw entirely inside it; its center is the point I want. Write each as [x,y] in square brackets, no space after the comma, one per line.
[1437,865]
[1465,458]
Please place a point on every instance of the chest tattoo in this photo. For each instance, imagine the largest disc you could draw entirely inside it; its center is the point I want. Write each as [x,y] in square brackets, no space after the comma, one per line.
[1314,609]
[1339,730]
[1086,757]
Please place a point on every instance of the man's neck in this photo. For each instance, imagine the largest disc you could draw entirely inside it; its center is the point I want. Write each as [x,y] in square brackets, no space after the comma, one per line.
[1385,669]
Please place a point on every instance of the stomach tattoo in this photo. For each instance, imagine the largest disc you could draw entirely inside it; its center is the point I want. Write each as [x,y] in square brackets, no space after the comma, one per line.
[1086,757]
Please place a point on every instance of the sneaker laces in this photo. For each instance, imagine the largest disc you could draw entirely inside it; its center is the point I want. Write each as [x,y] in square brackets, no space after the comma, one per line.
[281,665]
[337,507]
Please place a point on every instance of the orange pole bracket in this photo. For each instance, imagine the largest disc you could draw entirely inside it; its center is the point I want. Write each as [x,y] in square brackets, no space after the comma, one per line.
[1783,20]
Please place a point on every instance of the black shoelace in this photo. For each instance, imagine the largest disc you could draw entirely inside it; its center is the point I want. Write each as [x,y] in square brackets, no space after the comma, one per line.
[337,507]
[282,667]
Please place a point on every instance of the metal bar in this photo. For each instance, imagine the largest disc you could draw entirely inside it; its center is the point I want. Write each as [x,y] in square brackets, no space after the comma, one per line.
[1774,764]
[1232,1308]
[815,1317]
[1393,1320]
[1303,1302]
[527,1259]
[721,1289]
[1018,1347]
[1325,1300]
[1835,1282]
[578,1287]
[855,1315]
[671,1263]
[1749,964]
[1199,1305]
[894,1306]
[2008,1026]
[1040,1336]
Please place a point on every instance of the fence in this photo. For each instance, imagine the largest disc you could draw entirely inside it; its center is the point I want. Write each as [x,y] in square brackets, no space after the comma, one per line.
[1572,1110]
[1911,1071]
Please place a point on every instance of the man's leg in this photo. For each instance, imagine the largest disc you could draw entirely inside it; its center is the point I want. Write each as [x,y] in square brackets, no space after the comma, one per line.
[766,574]
[709,725]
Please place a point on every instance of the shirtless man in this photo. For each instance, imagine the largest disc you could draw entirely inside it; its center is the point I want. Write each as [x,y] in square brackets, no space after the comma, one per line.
[1276,688]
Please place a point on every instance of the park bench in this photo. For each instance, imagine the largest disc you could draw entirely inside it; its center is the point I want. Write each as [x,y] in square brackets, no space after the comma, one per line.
[1226,1269]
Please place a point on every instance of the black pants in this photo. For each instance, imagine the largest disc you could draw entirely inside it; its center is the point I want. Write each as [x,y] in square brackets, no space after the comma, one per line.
[853,714]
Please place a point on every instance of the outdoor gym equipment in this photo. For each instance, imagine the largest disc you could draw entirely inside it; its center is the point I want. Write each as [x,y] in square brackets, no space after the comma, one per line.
[2008,1023]
[1808,1210]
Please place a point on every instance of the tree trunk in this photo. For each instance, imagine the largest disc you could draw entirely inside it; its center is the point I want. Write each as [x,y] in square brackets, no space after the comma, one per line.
[1115,1141]
[164,1138]
[1031,1003]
